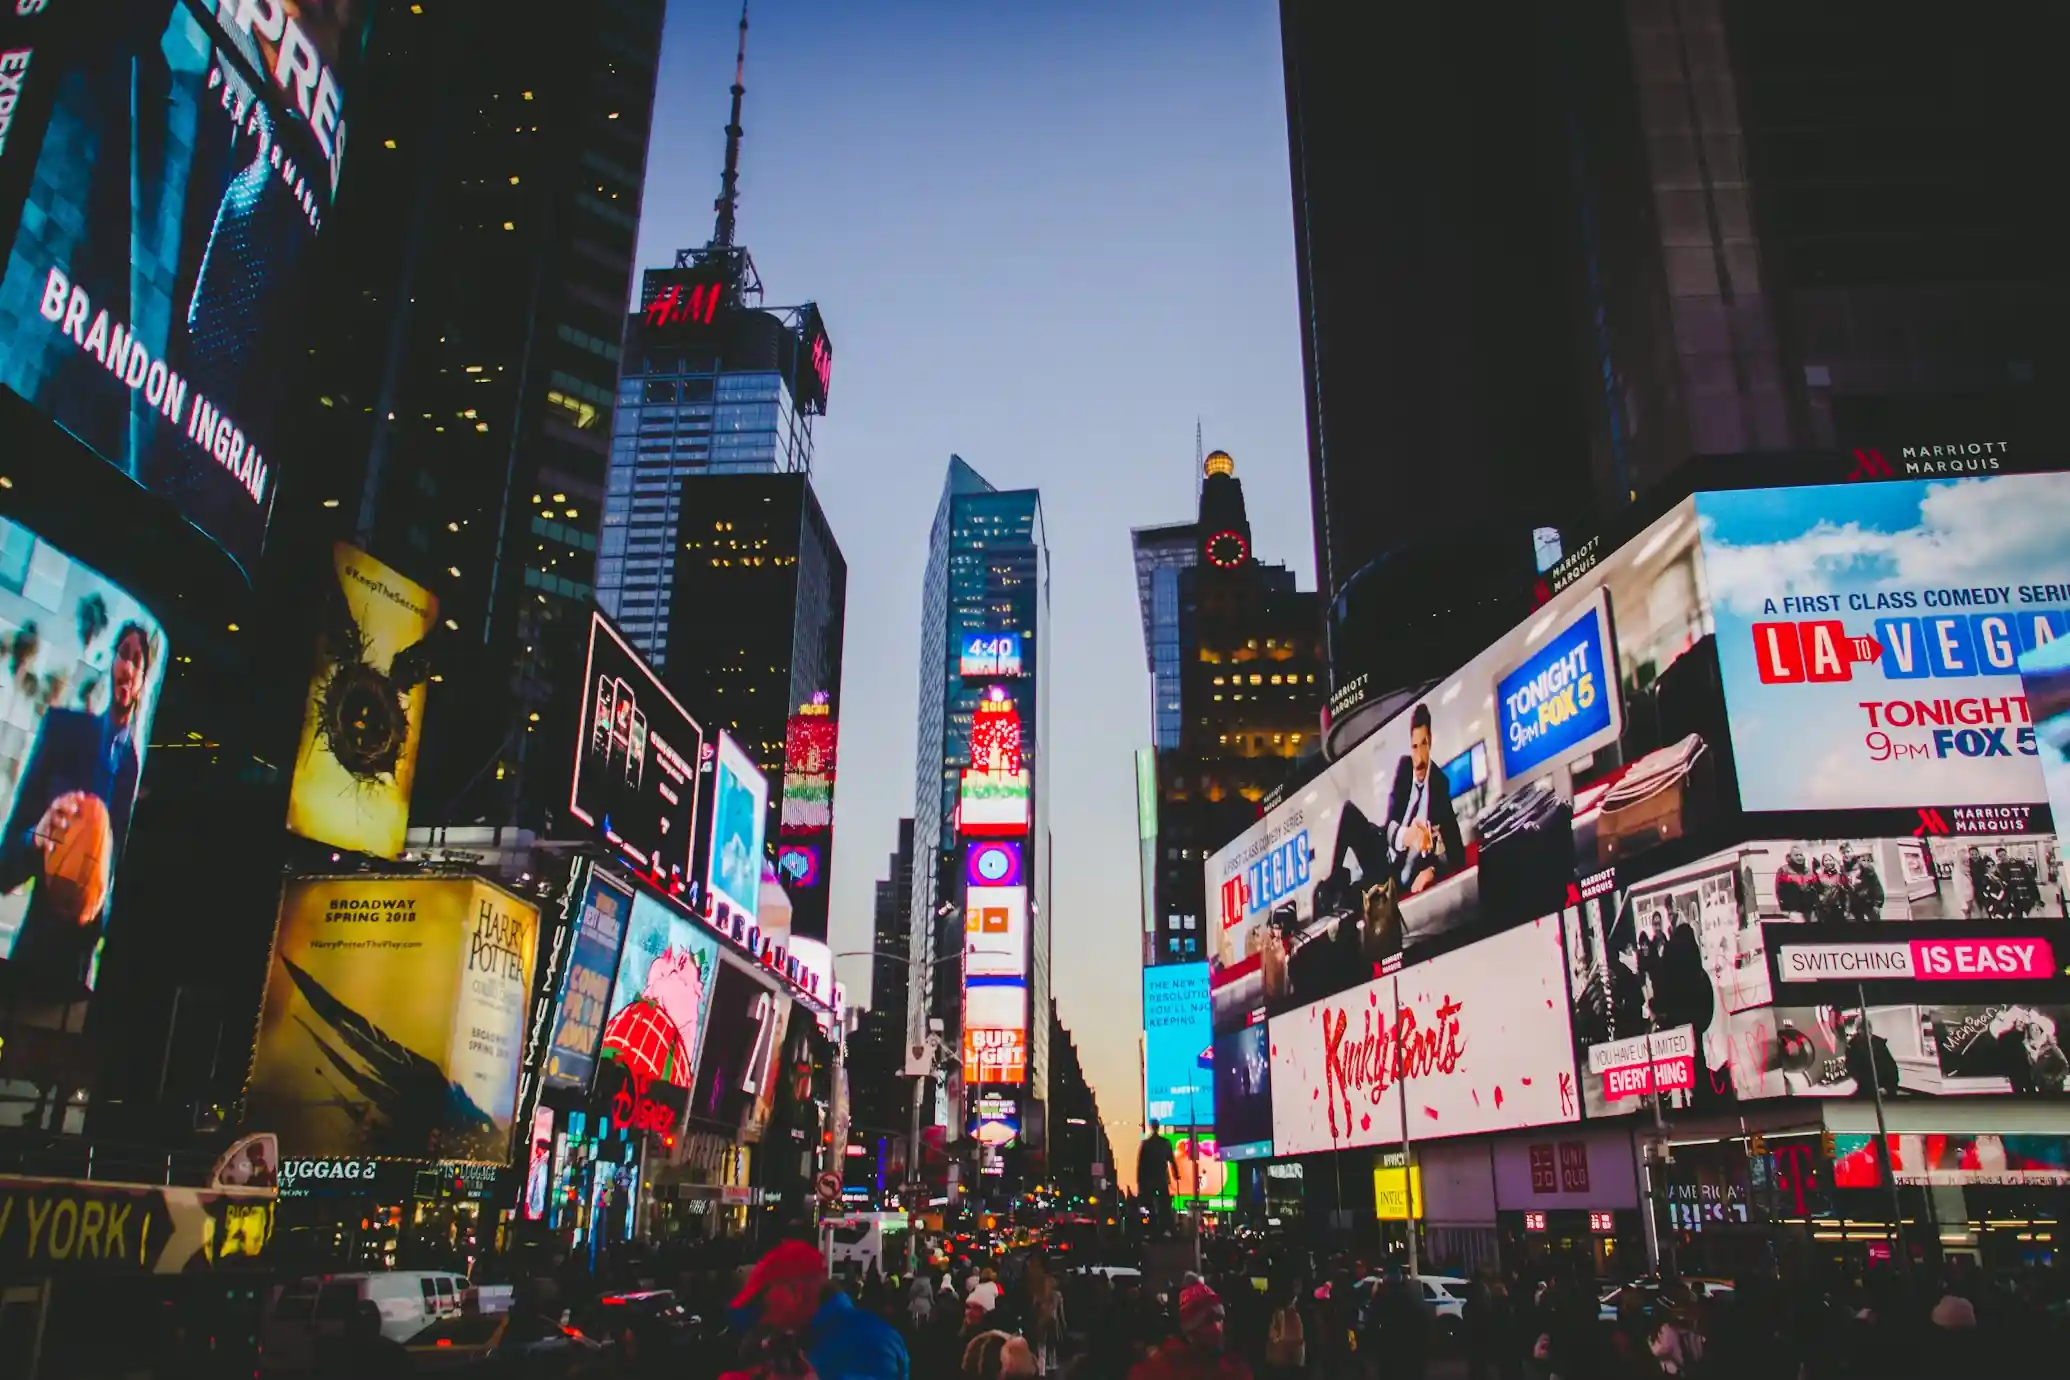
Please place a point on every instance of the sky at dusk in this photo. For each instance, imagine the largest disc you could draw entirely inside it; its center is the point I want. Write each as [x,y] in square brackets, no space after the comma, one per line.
[1045,238]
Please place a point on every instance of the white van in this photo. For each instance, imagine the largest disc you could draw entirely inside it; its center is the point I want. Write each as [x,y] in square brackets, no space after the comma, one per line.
[309,1312]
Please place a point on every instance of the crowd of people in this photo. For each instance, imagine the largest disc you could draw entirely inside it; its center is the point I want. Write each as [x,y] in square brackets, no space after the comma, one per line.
[1252,1313]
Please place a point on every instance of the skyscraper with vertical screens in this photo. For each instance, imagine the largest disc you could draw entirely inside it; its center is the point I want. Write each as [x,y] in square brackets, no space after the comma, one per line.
[987,573]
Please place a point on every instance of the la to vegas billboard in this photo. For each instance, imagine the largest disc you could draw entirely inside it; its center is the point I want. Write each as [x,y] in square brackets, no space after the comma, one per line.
[1870,635]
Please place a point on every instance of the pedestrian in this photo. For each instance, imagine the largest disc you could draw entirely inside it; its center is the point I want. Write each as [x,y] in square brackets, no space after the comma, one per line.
[788,1305]
[920,1300]
[1488,1324]
[1286,1339]
[1044,1316]
[996,1355]
[1201,1351]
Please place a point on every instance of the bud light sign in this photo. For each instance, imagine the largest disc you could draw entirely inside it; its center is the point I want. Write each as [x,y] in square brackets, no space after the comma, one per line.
[1562,702]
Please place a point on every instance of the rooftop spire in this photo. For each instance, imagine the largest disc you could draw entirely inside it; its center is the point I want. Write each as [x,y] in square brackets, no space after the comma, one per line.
[729,180]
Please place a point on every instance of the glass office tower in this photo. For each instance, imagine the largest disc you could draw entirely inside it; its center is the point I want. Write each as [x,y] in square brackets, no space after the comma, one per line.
[987,577]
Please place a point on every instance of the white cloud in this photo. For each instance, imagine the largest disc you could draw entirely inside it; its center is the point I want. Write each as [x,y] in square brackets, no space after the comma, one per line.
[2000,530]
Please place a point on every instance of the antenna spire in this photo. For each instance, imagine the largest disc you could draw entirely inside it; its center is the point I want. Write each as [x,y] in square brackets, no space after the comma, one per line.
[1199,459]
[729,181]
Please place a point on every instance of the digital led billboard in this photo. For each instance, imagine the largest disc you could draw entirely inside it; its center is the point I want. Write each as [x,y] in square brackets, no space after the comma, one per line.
[990,803]
[661,998]
[1243,1092]
[740,817]
[85,662]
[1609,741]
[995,931]
[740,1046]
[585,997]
[990,656]
[1870,636]
[993,862]
[1952,1160]
[357,761]
[161,191]
[1178,1062]
[1477,1040]
[995,1030]
[394,1018]
[636,756]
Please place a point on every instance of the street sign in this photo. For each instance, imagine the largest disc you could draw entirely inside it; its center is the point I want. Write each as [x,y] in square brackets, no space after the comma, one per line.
[829,1186]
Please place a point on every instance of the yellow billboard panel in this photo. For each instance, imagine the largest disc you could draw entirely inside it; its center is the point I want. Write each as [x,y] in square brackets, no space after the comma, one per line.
[358,756]
[394,1019]
[1398,1192]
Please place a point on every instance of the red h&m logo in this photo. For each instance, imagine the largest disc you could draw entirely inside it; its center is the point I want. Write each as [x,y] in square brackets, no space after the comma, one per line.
[1869,464]
[674,307]
[1931,823]
[1790,653]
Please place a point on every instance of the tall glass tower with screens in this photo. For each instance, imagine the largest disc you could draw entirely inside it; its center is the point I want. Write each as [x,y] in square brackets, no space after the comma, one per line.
[980,895]
[693,400]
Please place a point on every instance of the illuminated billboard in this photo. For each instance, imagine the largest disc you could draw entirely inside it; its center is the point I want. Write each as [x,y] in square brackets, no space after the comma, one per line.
[740,817]
[995,795]
[994,1056]
[578,1022]
[1952,1160]
[1474,1040]
[357,760]
[1585,737]
[995,931]
[636,755]
[990,656]
[810,752]
[394,1018]
[661,998]
[994,804]
[1178,1063]
[85,662]
[1870,636]
[993,862]
[995,1026]
[162,184]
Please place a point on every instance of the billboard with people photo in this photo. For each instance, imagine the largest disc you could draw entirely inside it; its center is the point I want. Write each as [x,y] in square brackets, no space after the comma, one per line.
[1588,735]
[85,662]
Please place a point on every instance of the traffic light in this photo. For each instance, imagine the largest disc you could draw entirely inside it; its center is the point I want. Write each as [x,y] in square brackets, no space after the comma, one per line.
[1825,1144]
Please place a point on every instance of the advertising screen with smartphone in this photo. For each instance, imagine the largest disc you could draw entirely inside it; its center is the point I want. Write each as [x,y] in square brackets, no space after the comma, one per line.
[635,779]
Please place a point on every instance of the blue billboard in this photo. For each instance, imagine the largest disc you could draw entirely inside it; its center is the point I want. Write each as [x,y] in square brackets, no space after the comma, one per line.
[1562,701]
[1178,1065]
[578,1024]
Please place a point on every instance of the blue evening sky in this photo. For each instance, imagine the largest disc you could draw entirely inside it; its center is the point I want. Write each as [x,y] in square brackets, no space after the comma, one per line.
[1045,237]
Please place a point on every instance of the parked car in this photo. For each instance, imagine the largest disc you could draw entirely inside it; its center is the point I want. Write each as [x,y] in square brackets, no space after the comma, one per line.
[311,1310]
[1443,1295]
[1646,1293]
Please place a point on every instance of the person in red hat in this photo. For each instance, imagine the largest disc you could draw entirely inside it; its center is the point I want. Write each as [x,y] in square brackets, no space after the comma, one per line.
[1200,1352]
[798,1323]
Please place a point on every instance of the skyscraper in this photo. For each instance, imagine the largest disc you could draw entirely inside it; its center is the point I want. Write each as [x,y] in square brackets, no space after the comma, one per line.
[1717,227]
[876,1051]
[980,809]
[1237,669]
[711,383]
[480,263]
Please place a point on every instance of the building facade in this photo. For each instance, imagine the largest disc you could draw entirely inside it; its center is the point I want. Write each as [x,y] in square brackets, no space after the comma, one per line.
[1710,229]
[1238,650]
[980,784]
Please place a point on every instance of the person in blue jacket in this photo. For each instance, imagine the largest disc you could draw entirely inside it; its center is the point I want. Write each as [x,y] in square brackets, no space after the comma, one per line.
[788,1304]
